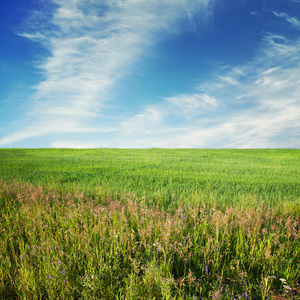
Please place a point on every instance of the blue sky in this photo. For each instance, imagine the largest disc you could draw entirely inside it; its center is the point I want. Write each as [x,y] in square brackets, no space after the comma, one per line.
[150,73]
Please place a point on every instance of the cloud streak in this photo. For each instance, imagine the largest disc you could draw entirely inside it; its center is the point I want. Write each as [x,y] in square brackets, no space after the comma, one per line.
[266,98]
[193,104]
[91,47]
[292,20]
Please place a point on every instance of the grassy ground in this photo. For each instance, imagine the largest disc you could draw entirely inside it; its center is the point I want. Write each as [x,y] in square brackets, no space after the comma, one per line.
[168,177]
[149,224]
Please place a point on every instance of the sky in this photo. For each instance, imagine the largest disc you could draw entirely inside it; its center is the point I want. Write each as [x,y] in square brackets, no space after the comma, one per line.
[150,73]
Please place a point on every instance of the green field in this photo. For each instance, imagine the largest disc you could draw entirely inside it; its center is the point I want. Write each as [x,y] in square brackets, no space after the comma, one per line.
[149,224]
[168,177]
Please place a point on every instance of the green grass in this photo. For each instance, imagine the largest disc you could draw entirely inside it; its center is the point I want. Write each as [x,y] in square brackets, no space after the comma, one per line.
[149,224]
[169,177]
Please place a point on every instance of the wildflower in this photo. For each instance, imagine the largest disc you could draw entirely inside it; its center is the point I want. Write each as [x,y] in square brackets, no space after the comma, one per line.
[245,283]
[282,279]
[60,262]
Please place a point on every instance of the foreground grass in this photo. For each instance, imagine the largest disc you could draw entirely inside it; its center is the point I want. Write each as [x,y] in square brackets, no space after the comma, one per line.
[59,245]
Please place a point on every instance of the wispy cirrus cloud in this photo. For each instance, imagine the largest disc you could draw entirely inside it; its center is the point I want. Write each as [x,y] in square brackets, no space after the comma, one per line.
[90,46]
[193,104]
[258,107]
[147,122]
[293,20]
[266,97]
[76,144]
[229,80]
[269,110]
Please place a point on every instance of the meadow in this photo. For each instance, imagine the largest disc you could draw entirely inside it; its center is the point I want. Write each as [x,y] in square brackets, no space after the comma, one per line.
[149,224]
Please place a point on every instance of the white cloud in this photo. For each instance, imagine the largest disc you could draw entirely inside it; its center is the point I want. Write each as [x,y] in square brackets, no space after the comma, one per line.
[228,79]
[293,20]
[76,144]
[152,127]
[91,47]
[271,70]
[265,116]
[269,116]
[60,126]
[193,103]
[147,122]
[252,105]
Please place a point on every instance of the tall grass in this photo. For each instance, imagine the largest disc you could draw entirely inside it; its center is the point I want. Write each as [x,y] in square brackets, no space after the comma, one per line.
[62,245]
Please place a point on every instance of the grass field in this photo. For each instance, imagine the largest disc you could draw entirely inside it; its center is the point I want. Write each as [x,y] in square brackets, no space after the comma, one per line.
[149,224]
[168,177]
